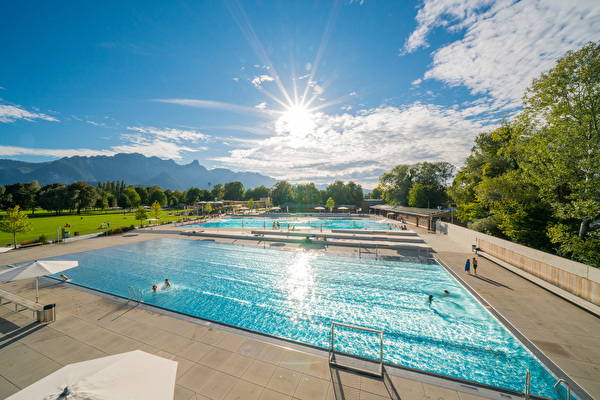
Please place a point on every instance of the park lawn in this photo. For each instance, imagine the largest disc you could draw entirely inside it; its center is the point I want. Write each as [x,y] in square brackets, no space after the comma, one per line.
[87,222]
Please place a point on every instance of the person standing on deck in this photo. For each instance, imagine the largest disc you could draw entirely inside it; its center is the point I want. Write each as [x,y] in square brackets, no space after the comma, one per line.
[468,266]
[474,265]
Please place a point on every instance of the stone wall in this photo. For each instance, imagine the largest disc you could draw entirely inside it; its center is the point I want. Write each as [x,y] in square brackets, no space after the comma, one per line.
[576,278]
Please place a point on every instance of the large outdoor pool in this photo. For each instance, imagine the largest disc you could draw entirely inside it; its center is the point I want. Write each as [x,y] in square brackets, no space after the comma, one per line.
[298,294]
[298,223]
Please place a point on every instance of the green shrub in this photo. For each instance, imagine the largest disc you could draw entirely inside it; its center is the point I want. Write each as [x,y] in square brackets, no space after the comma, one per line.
[43,239]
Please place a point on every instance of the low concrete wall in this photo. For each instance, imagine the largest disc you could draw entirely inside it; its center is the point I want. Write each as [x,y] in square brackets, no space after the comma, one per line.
[574,277]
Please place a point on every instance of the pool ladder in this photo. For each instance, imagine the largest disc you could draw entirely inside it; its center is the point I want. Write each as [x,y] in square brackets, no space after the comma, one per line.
[528,387]
[133,295]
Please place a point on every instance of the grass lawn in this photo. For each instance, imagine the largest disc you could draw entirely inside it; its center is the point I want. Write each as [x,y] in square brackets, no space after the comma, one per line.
[87,222]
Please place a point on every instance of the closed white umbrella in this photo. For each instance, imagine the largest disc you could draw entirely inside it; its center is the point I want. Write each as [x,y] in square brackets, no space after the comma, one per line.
[127,376]
[35,269]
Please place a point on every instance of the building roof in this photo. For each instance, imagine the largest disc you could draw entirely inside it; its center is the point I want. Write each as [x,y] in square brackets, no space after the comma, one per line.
[424,212]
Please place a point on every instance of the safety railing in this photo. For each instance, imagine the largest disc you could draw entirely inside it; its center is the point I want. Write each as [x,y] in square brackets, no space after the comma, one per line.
[133,295]
[334,361]
[568,389]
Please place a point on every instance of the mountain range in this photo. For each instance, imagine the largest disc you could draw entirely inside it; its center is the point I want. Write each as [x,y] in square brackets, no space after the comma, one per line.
[135,169]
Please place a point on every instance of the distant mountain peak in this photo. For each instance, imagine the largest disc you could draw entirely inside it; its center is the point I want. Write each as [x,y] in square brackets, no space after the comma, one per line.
[133,168]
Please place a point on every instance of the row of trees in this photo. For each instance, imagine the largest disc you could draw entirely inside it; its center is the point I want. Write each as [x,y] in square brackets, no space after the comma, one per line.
[79,195]
[536,179]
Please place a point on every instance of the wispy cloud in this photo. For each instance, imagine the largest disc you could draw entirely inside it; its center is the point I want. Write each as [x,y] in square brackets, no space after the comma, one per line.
[215,105]
[95,123]
[262,105]
[176,135]
[10,113]
[9,151]
[361,146]
[506,43]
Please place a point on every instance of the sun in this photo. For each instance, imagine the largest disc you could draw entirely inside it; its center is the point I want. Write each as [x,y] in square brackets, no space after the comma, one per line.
[297,120]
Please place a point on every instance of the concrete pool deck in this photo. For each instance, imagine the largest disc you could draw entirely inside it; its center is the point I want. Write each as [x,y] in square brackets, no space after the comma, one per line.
[222,364]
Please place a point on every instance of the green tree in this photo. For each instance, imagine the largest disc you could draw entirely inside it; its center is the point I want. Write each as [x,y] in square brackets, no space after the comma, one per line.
[217,191]
[193,195]
[158,196]
[208,208]
[15,222]
[54,197]
[281,193]
[141,214]
[156,209]
[561,117]
[82,195]
[330,204]
[134,197]
[396,185]
[123,201]
[233,191]
[143,193]
[261,192]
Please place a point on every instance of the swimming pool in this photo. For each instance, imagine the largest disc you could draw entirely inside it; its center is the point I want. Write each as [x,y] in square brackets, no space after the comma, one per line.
[297,223]
[298,294]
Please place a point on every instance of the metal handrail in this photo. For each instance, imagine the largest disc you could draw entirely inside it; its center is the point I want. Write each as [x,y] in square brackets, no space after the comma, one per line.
[527,385]
[360,328]
[137,296]
[568,389]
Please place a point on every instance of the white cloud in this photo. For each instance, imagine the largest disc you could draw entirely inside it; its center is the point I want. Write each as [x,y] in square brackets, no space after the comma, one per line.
[417,82]
[506,43]
[10,113]
[95,123]
[9,151]
[262,105]
[258,80]
[361,146]
[176,135]
[156,148]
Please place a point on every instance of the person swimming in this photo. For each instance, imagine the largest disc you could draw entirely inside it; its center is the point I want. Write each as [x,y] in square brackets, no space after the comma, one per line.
[154,288]
[446,293]
[167,283]
[430,299]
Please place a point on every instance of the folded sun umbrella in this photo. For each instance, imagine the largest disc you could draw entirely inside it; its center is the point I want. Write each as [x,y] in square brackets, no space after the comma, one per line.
[128,376]
[35,269]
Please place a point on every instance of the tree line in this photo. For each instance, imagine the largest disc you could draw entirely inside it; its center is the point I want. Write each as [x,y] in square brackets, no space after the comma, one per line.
[535,180]
[57,197]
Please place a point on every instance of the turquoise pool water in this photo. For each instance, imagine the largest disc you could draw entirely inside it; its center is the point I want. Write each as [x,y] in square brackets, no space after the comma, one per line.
[296,223]
[298,294]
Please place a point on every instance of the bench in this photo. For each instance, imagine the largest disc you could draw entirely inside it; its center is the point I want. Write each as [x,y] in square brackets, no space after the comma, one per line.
[39,310]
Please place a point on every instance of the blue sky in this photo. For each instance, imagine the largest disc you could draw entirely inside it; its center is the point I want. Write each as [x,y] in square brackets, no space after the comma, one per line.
[306,91]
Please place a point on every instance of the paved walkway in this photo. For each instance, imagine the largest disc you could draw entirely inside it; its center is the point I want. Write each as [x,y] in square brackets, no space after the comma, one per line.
[218,363]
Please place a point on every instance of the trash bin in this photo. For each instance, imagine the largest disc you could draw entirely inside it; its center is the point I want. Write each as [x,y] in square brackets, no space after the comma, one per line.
[48,314]
[76,233]
[66,234]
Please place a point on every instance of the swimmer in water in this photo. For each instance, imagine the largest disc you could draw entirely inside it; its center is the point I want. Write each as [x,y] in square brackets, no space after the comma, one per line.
[167,283]
[446,293]
[430,299]
[154,287]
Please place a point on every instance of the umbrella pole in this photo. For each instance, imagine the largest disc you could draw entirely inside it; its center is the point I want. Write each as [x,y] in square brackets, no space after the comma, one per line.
[36,288]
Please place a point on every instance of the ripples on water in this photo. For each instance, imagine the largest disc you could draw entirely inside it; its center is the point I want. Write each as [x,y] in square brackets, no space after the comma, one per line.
[298,294]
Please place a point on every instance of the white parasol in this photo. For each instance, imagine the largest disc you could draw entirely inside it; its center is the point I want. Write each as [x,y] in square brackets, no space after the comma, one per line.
[132,375]
[35,269]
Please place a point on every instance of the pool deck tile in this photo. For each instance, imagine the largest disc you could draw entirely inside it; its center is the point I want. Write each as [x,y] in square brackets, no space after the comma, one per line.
[219,364]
